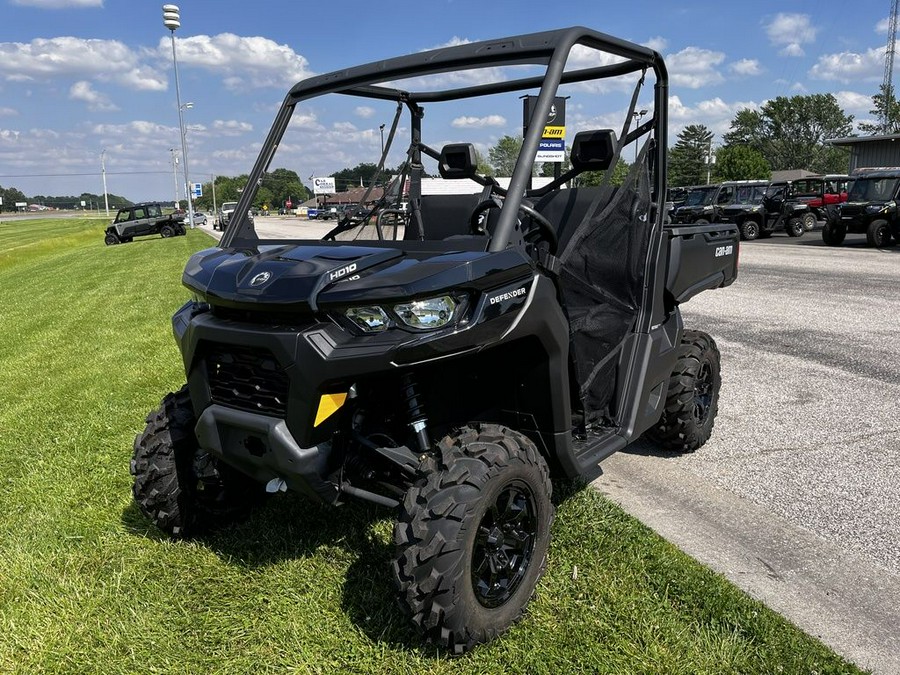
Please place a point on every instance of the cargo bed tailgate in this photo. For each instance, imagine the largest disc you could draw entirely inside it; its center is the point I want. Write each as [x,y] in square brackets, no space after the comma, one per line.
[700,257]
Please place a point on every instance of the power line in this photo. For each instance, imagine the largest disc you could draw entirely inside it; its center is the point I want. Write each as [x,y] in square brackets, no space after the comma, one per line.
[89,173]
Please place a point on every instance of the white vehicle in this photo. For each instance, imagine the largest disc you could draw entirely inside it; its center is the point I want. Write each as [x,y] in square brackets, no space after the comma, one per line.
[225,212]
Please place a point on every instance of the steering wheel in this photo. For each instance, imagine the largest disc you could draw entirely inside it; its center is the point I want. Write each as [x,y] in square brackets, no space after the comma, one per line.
[544,230]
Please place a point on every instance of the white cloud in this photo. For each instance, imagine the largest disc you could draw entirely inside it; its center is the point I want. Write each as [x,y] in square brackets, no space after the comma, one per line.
[83,91]
[364,111]
[745,67]
[694,67]
[231,127]
[8,112]
[135,129]
[715,113]
[243,62]
[58,4]
[479,122]
[105,60]
[849,67]
[344,127]
[853,102]
[657,43]
[791,31]
[882,26]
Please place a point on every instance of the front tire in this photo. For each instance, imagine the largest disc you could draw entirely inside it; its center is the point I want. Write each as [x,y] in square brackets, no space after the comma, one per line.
[111,240]
[179,487]
[833,233]
[749,230]
[472,539]
[692,400]
[809,222]
[166,231]
[878,233]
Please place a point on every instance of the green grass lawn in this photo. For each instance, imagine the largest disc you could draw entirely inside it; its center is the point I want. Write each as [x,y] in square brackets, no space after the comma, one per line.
[87,586]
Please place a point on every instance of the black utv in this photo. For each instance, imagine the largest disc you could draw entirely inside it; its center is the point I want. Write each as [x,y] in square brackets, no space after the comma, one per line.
[141,220]
[744,208]
[446,356]
[870,209]
[698,207]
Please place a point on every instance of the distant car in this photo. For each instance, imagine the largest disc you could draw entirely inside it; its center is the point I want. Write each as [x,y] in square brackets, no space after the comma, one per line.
[199,218]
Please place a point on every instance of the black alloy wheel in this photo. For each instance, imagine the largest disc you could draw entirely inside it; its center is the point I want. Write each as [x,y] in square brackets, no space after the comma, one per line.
[504,545]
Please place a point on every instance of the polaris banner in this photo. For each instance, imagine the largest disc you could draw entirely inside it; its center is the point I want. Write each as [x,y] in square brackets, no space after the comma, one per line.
[553,143]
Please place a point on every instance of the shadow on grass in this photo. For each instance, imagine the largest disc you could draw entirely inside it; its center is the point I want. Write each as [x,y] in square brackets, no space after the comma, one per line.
[287,527]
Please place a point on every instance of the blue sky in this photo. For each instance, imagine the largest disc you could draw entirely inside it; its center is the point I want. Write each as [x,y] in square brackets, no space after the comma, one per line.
[81,76]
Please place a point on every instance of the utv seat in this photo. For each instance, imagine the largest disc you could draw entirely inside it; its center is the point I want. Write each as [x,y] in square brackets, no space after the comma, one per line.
[443,216]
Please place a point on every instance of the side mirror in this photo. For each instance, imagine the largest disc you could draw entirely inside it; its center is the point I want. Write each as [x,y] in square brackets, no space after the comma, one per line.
[457,161]
[593,150]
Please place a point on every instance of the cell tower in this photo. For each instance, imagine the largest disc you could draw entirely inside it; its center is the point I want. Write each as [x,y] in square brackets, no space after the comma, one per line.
[887,88]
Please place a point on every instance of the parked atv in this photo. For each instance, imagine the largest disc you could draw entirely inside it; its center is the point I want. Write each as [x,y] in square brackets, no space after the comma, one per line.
[445,356]
[785,209]
[870,209]
[744,208]
[143,219]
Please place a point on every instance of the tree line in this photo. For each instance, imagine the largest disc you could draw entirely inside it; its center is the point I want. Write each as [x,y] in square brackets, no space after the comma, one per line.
[784,133]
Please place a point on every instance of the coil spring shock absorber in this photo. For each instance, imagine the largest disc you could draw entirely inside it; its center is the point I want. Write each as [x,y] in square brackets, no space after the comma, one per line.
[416,412]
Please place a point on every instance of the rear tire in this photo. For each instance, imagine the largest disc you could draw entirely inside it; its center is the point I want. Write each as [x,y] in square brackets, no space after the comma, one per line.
[878,233]
[472,539]
[179,487]
[692,400]
[809,222]
[701,221]
[833,233]
[794,227]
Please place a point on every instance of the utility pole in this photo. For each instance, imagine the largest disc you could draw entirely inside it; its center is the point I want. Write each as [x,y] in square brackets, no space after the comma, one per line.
[215,208]
[103,171]
[175,175]
[887,87]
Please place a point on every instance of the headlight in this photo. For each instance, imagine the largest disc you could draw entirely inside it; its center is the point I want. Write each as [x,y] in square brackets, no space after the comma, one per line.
[370,319]
[874,208]
[427,314]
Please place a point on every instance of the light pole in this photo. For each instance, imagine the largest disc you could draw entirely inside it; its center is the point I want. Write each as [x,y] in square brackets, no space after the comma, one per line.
[638,116]
[172,21]
[381,128]
[103,171]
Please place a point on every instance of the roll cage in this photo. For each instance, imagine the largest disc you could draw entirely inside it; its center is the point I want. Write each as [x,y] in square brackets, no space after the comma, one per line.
[551,49]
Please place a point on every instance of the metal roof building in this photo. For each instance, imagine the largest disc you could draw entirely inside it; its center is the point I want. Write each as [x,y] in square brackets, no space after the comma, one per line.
[867,151]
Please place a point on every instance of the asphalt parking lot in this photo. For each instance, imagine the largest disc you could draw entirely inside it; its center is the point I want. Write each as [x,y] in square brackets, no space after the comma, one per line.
[795,497]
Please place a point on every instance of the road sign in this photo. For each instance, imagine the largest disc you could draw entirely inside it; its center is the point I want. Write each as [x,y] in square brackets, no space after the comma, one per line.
[197,189]
[323,185]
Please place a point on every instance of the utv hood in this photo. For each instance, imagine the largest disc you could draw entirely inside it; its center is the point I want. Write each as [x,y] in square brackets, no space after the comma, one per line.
[304,277]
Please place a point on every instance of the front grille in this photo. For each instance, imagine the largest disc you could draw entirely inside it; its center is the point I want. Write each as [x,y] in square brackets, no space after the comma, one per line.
[247,378]
[268,316]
